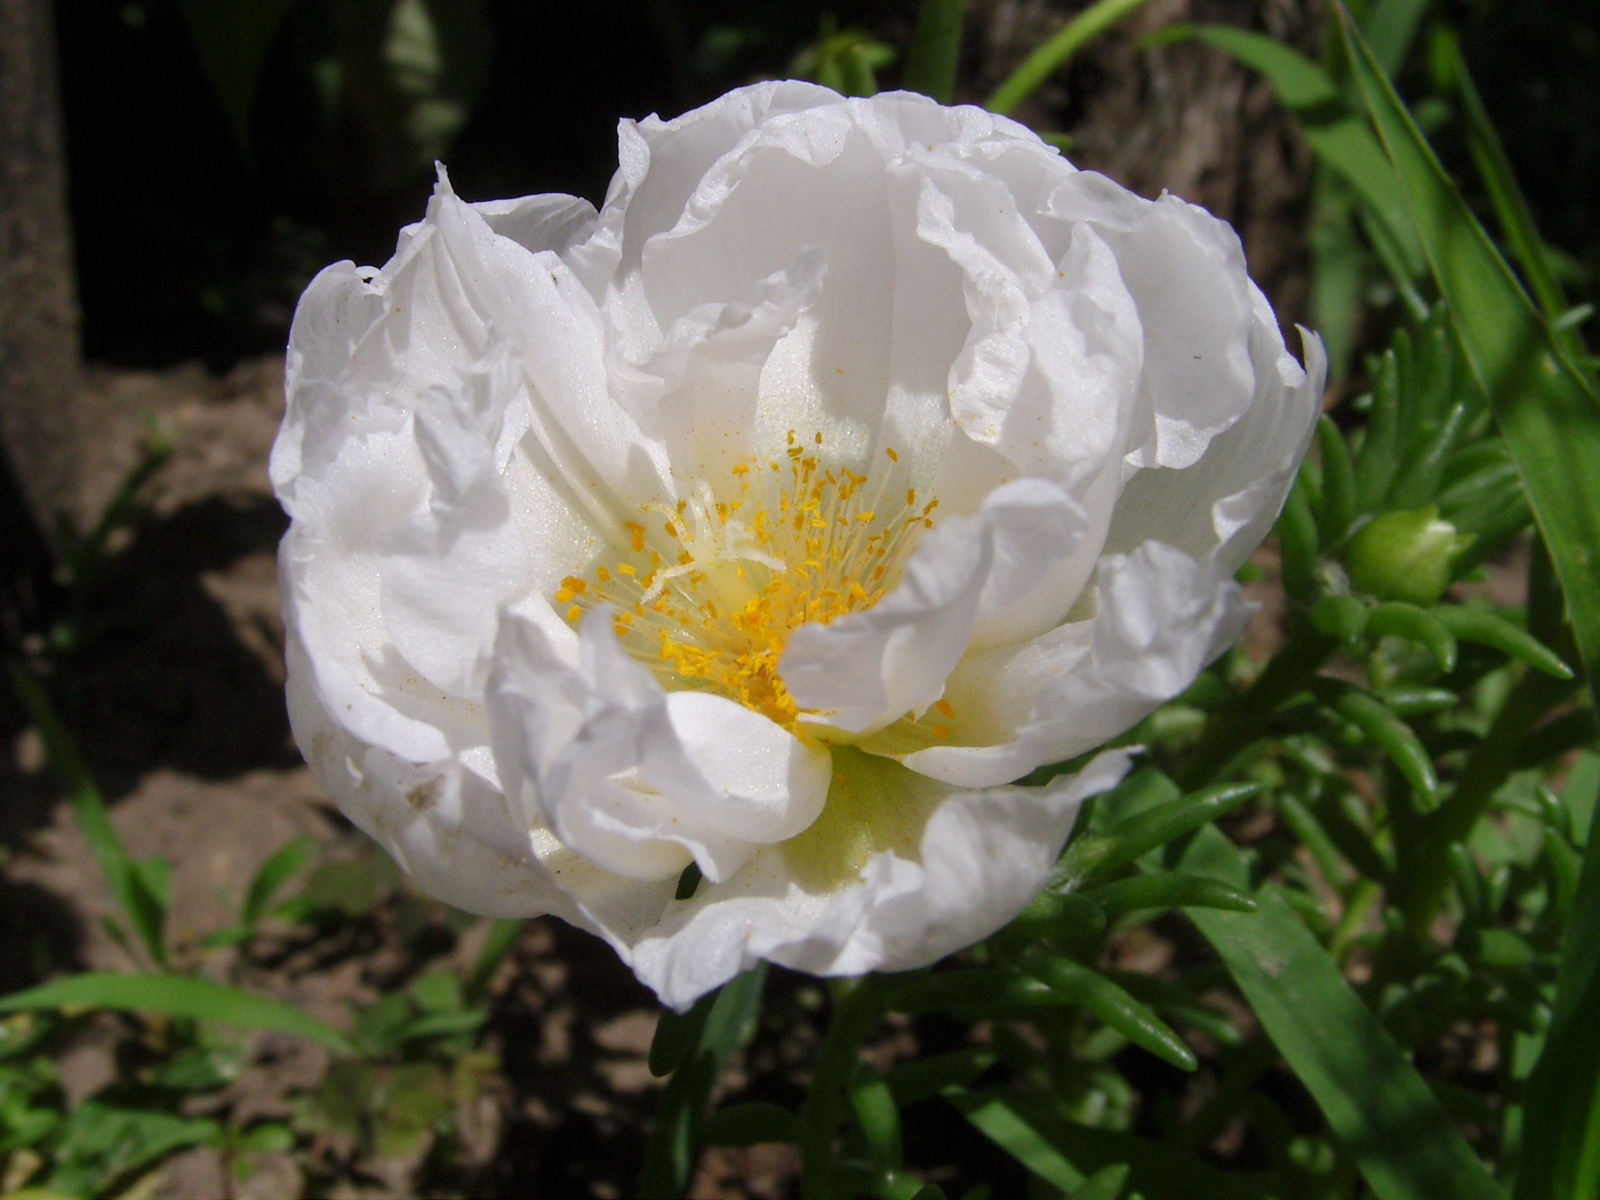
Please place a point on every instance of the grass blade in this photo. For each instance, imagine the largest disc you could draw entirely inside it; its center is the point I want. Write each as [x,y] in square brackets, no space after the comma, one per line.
[128,885]
[1335,135]
[1400,1138]
[713,1031]
[1064,1153]
[935,49]
[1547,410]
[176,996]
[1039,65]
[1561,1114]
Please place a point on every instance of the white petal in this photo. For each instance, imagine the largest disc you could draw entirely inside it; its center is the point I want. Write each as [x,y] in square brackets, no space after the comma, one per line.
[447,570]
[1224,504]
[866,669]
[1186,272]
[537,304]
[1162,617]
[978,860]
[638,781]
[445,824]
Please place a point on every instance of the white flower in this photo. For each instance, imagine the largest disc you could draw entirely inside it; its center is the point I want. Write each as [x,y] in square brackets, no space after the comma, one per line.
[857,458]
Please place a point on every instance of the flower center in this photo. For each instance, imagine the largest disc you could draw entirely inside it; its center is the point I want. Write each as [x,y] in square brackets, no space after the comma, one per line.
[707,593]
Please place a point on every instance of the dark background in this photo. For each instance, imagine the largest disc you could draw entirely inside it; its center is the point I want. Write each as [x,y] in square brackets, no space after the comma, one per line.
[193,243]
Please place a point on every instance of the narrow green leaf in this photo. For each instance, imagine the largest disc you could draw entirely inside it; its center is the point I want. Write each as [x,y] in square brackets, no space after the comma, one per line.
[1055,50]
[1380,445]
[1386,731]
[130,890]
[497,944]
[1000,1123]
[877,1115]
[1134,1020]
[1105,1184]
[1546,408]
[1390,27]
[1169,889]
[1561,1115]
[1420,625]
[1340,616]
[1477,625]
[1420,474]
[675,1035]
[1389,1121]
[728,1019]
[1296,530]
[1510,207]
[935,49]
[1338,485]
[1058,915]
[921,1078]
[176,996]
[1335,135]
[1098,855]
[281,865]
[1062,1152]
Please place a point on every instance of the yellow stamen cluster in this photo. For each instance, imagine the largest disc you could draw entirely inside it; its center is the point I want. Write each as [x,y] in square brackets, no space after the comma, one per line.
[707,592]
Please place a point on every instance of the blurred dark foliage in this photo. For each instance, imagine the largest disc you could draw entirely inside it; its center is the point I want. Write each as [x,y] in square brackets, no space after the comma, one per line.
[1536,65]
[191,245]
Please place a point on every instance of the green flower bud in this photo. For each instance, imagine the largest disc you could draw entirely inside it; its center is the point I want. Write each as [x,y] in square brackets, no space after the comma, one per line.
[1404,555]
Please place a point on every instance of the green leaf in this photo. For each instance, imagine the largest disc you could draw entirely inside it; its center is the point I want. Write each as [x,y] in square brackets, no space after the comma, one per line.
[280,866]
[922,1078]
[1560,1155]
[1056,49]
[935,49]
[1397,619]
[102,1144]
[1169,889]
[1098,855]
[176,996]
[1334,133]
[1104,1184]
[1390,27]
[1470,624]
[1386,731]
[502,936]
[993,1117]
[231,38]
[130,884]
[1389,1121]
[1062,1152]
[1132,1019]
[1547,410]
[1338,508]
[728,1020]
[1510,207]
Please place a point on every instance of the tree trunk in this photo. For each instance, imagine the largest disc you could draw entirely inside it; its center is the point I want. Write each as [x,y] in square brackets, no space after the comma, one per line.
[39,349]
[1182,117]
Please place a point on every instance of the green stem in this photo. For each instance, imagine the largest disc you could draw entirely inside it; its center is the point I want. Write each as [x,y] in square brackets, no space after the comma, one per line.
[856,1010]
[1425,879]
[1231,730]
[1037,67]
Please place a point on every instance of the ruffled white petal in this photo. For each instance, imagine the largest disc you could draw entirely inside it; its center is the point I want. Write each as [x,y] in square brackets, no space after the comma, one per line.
[638,781]
[864,670]
[979,859]
[1224,504]
[1161,617]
